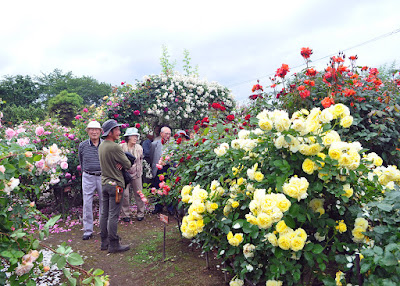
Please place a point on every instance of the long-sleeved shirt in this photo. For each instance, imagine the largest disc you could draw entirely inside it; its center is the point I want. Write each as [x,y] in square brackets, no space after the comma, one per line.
[111,153]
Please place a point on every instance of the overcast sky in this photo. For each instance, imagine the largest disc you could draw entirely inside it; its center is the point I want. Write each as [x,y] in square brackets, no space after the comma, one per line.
[233,42]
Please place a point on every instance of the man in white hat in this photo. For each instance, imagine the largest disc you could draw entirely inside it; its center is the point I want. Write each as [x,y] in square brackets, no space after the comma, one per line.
[91,175]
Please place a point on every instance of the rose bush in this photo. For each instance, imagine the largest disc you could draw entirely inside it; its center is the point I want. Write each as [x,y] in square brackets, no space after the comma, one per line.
[175,100]
[374,100]
[26,171]
[285,196]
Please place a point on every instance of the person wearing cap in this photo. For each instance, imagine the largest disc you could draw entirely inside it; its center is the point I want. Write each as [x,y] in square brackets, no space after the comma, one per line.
[91,175]
[111,156]
[136,171]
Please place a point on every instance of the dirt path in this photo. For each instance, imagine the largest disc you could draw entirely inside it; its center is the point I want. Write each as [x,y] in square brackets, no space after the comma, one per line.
[142,265]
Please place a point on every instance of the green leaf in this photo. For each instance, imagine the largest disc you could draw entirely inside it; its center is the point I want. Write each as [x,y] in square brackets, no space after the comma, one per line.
[220,128]
[389,259]
[61,262]
[72,281]
[317,249]
[290,221]
[52,221]
[385,207]
[97,281]
[75,259]
[87,280]
[98,272]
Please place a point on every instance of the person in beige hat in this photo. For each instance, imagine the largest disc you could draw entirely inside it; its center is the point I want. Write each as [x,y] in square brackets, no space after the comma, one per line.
[132,146]
[91,175]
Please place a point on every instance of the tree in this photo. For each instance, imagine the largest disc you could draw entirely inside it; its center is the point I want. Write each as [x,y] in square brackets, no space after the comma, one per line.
[87,87]
[65,106]
[19,90]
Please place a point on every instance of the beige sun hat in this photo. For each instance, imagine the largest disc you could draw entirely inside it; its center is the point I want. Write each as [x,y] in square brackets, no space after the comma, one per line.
[93,124]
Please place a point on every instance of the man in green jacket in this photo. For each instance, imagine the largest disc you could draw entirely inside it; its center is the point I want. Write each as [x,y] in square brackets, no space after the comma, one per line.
[111,158]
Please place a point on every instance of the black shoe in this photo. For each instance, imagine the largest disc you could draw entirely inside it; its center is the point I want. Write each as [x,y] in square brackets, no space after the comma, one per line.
[126,219]
[140,218]
[114,248]
[87,236]
[104,244]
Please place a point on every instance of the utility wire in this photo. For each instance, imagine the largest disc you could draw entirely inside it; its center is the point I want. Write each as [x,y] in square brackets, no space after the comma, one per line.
[324,57]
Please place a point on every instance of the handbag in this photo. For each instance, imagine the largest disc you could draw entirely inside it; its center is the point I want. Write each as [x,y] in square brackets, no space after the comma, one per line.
[127,177]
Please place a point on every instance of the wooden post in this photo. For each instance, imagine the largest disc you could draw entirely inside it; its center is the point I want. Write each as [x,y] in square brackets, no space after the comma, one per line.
[164,219]
[207,261]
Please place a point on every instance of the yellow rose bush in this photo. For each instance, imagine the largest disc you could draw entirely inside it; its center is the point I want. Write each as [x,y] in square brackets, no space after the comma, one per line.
[286,201]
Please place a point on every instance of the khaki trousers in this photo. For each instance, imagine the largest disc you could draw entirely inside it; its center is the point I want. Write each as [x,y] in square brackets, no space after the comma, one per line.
[135,185]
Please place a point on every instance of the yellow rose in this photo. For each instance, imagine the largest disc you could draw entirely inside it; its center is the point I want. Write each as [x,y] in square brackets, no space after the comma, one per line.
[265,124]
[264,220]
[251,219]
[235,204]
[297,243]
[341,227]
[346,121]
[230,235]
[281,226]
[314,149]
[316,204]
[284,242]
[308,166]
[339,109]
[258,176]
[274,283]
[272,239]
[358,235]
[283,204]
[186,190]
[361,222]
[348,192]
[214,206]
[321,211]
[335,153]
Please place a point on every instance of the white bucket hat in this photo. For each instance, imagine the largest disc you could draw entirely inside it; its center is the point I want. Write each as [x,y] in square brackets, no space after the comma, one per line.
[132,131]
[93,124]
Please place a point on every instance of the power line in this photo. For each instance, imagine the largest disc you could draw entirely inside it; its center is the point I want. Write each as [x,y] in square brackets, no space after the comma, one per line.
[324,57]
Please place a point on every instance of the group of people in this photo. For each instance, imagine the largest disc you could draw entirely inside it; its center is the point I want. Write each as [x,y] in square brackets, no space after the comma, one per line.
[103,161]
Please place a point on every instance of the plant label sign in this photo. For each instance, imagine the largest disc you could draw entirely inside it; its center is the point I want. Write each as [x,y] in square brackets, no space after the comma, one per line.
[164,218]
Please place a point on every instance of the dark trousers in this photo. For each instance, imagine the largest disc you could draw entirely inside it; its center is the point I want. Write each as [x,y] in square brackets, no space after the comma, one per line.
[109,214]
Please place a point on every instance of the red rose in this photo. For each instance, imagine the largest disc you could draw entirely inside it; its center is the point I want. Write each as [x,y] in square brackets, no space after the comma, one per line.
[188,157]
[177,179]
[230,117]
[247,117]
[223,108]
[196,128]
[226,130]
[122,83]
[196,144]
[136,112]
[204,140]
[244,123]
[162,178]
[181,159]
[205,119]
[179,141]
[327,101]
[137,125]
[306,52]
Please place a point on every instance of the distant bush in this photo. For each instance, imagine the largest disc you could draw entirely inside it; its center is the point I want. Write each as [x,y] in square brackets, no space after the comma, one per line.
[16,114]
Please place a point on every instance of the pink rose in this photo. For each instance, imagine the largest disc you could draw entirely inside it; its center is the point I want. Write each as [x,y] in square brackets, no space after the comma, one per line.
[78,117]
[85,110]
[136,112]
[47,124]
[79,168]
[39,131]
[2,169]
[64,165]
[39,164]
[10,133]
